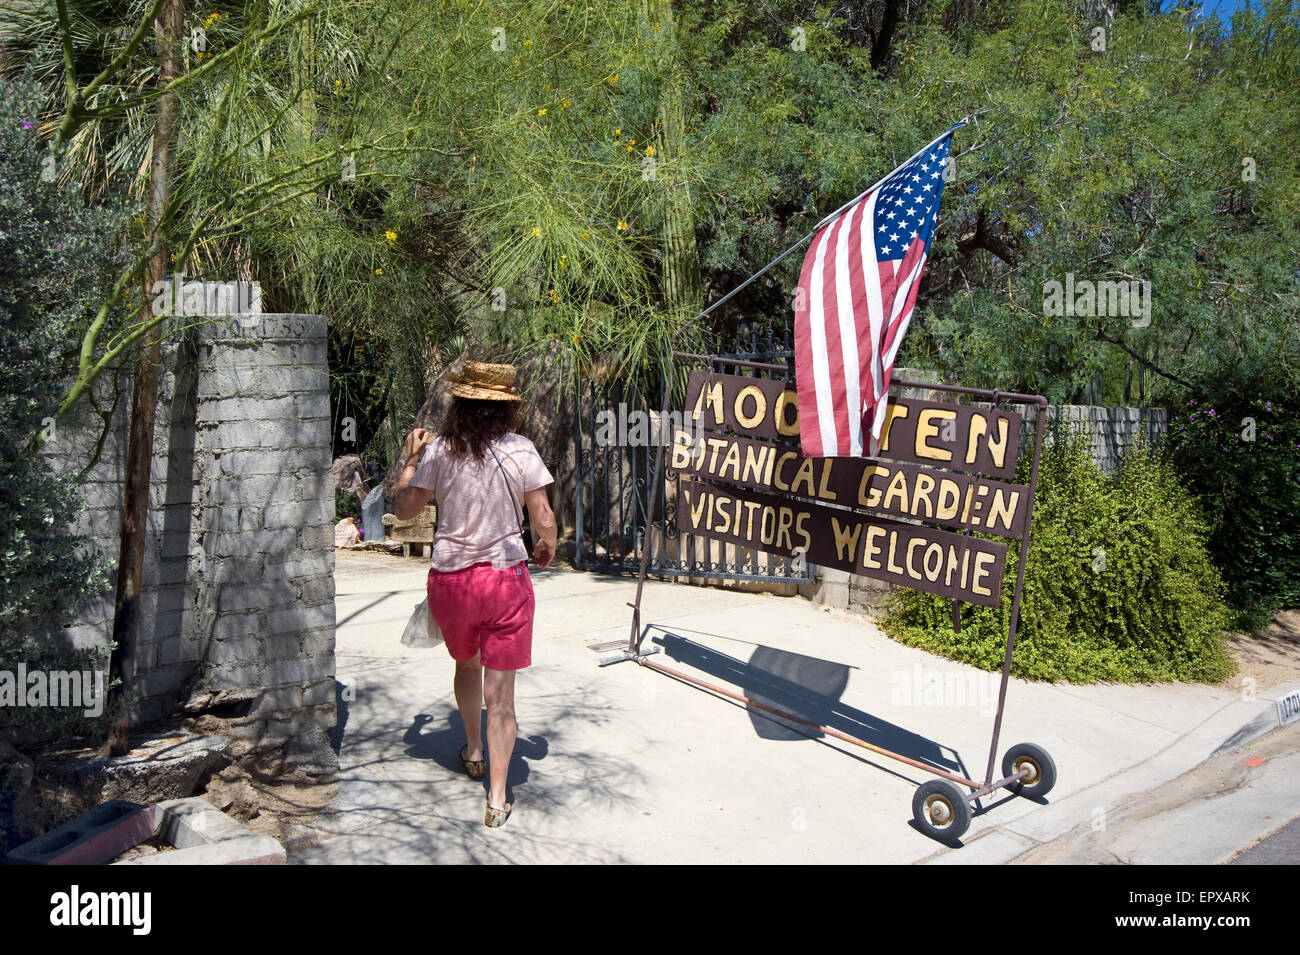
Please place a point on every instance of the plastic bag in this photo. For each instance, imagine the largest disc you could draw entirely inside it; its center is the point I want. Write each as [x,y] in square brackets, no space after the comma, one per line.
[422,629]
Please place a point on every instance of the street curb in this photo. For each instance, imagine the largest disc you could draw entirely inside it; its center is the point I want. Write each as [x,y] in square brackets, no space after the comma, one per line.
[1001,844]
[1265,723]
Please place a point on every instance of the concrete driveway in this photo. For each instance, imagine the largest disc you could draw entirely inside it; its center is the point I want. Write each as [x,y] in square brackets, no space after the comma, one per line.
[620,764]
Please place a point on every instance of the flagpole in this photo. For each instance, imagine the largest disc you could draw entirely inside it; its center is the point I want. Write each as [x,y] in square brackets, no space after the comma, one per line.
[825,220]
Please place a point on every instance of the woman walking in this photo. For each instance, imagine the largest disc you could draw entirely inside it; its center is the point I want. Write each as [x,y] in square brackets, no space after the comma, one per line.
[478,470]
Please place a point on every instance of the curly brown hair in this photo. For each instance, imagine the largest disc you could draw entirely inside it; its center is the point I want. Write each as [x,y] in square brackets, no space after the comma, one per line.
[470,425]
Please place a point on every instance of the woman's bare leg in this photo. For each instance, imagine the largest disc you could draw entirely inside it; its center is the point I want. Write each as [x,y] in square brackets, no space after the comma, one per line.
[469,700]
[499,691]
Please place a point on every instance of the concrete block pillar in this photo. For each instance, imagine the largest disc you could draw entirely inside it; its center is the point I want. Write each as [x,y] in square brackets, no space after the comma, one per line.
[263,540]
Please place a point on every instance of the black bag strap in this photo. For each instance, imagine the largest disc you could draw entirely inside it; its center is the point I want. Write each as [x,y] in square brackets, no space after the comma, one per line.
[510,490]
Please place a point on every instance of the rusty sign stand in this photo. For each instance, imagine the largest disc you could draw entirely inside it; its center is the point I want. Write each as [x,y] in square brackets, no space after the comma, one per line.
[940,808]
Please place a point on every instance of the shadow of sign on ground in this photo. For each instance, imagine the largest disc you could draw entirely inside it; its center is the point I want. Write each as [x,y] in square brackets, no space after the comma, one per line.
[808,687]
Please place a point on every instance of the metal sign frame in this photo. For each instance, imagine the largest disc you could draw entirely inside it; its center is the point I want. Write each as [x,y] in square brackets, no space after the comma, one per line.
[613,483]
[941,810]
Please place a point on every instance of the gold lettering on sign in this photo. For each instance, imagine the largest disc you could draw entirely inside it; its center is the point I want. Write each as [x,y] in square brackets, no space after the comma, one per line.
[949,498]
[924,487]
[784,401]
[696,504]
[897,489]
[997,447]
[982,559]
[889,561]
[681,455]
[825,493]
[912,545]
[780,463]
[1003,508]
[927,429]
[731,464]
[846,539]
[804,476]
[869,558]
[892,412]
[760,406]
[710,394]
[869,496]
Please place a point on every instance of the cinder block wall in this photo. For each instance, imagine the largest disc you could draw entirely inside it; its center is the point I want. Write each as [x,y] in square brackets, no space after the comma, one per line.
[237,609]
[1114,430]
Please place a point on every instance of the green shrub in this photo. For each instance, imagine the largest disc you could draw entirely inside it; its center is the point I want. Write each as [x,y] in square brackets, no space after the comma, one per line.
[1118,584]
[55,251]
[1241,456]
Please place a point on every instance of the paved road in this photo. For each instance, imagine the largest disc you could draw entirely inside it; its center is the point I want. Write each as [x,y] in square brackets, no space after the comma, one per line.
[622,764]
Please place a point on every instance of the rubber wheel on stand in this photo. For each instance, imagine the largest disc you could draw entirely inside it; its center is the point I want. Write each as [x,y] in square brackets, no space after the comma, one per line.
[1041,770]
[941,810]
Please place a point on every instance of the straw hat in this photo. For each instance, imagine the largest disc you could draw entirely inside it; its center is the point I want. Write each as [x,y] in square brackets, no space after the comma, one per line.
[485,382]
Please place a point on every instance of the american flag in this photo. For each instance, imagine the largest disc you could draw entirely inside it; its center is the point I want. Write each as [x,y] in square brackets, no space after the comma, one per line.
[854,301]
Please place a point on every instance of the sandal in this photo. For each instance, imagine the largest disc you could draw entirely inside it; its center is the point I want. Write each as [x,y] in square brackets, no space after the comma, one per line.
[496,818]
[474,768]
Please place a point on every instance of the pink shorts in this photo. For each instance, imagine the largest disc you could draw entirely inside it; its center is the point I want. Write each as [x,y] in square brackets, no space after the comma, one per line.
[484,610]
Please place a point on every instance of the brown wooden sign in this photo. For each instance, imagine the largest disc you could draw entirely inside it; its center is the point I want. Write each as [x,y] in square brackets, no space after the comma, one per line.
[935,466]
[936,561]
[949,498]
[932,434]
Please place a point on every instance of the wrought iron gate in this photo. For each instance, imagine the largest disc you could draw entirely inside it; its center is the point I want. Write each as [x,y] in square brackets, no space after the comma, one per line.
[617,427]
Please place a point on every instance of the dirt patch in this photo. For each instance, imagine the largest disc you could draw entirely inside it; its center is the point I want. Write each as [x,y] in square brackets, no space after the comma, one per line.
[280,805]
[1269,657]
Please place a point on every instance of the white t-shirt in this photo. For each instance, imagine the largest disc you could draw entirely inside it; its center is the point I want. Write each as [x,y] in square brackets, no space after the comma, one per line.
[477,520]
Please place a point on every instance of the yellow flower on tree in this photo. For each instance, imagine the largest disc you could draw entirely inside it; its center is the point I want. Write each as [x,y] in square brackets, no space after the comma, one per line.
[622,226]
[649,150]
[536,231]
[541,112]
[379,271]
[390,235]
